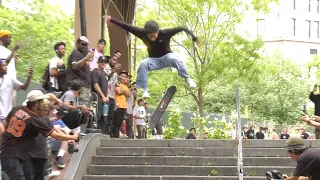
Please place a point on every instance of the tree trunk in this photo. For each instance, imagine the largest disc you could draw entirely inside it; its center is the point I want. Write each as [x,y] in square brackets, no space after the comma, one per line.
[201,112]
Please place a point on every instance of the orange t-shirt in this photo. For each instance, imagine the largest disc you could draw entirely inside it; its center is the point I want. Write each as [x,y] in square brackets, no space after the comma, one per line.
[121,100]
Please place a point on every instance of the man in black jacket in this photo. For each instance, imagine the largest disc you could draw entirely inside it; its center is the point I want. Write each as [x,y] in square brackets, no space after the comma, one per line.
[315,98]
[160,54]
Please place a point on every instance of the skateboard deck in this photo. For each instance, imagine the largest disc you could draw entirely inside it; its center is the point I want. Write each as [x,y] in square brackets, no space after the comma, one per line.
[161,108]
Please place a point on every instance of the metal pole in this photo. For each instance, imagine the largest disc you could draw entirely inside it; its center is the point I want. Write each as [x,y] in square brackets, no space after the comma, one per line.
[240,158]
[83,24]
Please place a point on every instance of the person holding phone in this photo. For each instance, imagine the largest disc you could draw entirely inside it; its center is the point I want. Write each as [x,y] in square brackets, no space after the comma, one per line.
[57,69]
[99,51]
[315,98]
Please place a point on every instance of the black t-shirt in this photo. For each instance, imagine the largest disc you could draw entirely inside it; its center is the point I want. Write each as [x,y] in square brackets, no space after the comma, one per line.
[250,134]
[23,127]
[99,77]
[260,135]
[309,164]
[159,47]
[191,136]
[284,136]
[304,135]
[316,100]
[82,74]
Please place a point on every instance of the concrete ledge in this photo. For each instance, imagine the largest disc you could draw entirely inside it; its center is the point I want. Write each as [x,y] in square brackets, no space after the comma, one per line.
[252,143]
[137,177]
[134,143]
[81,160]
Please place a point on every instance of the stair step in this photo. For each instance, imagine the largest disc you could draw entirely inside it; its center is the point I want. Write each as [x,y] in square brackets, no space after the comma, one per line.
[190,160]
[182,170]
[189,151]
[140,177]
[254,143]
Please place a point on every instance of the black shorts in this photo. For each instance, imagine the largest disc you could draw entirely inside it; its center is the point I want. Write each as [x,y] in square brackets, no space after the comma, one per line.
[158,128]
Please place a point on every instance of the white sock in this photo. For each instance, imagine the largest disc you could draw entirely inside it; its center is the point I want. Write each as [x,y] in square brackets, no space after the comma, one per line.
[77,129]
[61,153]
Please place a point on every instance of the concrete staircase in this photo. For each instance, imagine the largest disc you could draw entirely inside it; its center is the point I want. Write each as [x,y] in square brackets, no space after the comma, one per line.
[186,159]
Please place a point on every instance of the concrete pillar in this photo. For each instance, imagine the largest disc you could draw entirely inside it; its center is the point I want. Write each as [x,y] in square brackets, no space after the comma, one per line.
[95,29]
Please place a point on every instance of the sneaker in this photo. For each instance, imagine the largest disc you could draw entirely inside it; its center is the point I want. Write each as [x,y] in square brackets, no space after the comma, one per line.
[145,94]
[191,83]
[60,163]
[53,174]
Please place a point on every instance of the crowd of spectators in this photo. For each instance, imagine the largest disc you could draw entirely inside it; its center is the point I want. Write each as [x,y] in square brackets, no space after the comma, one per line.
[90,91]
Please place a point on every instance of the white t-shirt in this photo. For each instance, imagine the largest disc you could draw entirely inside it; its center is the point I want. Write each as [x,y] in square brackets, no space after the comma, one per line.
[130,104]
[7,85]
[11,71]
[141,112]
[54,64]
[94,62]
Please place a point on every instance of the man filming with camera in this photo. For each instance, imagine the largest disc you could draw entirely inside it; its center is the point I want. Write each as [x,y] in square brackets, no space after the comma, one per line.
[308,160]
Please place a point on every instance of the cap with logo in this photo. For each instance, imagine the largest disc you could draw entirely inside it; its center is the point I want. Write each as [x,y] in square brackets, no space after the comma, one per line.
[295,142]
[102,41]
[83,38]
[103,59]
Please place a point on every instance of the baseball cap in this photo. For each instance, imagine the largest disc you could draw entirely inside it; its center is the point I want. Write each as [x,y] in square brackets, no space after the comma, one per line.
[124,72]
[103,59]
[102,41]
[295,142]
[83,38]
[35,95]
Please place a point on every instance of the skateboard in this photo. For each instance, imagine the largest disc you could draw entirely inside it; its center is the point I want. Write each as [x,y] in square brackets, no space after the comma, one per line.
[161,108]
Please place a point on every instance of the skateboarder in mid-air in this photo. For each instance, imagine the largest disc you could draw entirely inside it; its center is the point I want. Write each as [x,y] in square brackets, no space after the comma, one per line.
[160,54]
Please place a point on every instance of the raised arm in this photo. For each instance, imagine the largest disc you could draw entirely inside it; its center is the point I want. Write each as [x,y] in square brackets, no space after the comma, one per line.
[139,32]
[174,31]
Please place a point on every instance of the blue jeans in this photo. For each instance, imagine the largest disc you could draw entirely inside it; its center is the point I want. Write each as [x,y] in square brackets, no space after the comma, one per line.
[157,63]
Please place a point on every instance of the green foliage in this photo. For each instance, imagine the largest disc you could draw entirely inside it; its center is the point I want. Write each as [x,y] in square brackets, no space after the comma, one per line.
[174,127]
[214,172]
[37,28]
[216,129]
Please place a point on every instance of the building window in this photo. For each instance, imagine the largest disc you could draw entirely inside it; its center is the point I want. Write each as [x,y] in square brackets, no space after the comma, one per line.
[260,26]
[317,27]
[294,26]
[309,6]
[294,4]
[309,28]
[318,4]
[313,51]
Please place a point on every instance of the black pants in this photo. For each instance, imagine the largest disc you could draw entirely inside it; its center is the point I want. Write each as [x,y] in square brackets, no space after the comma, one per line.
[110,118]
[30,169]
[34,168]
[118,118]
[102,124]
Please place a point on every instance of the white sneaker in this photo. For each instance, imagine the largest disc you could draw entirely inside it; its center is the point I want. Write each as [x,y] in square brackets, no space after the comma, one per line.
[145,94]
[191,83]
[53,174]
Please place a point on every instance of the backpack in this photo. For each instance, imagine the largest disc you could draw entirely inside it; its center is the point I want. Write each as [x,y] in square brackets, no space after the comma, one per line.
[45,80]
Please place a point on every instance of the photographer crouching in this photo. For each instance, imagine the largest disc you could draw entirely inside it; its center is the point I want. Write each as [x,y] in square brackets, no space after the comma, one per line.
[308,160]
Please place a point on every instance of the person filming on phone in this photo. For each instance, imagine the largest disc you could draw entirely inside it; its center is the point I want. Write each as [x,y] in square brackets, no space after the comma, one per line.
[79,70]
[315,98]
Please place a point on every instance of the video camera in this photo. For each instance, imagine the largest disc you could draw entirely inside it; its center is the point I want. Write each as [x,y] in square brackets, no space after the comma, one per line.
[274,175]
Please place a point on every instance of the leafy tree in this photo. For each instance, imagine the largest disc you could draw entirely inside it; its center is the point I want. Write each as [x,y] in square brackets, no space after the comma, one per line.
[223,53]
[37,28]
